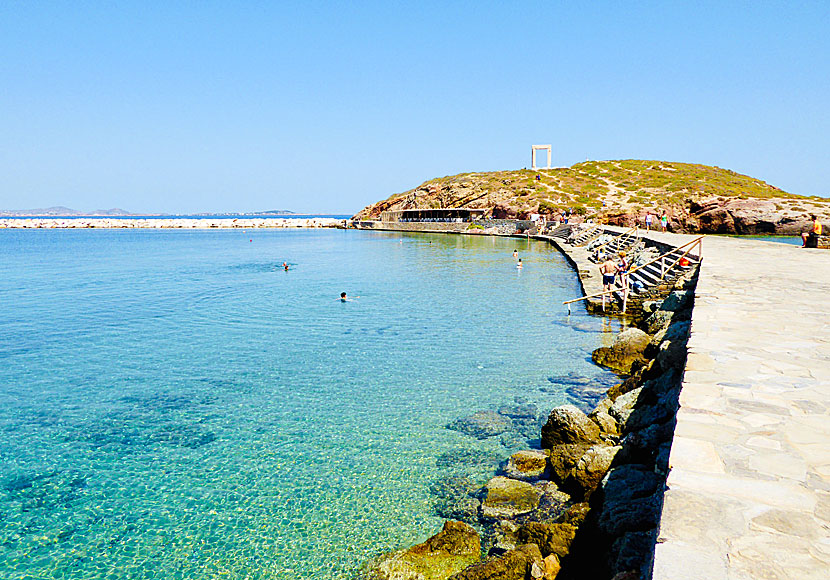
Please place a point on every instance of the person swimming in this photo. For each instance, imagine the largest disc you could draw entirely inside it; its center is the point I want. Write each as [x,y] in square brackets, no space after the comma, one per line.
[519,263]
[343,297]
[285,265]
[515,253]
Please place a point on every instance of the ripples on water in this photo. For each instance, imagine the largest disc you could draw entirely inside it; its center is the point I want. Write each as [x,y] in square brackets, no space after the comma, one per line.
[175,405]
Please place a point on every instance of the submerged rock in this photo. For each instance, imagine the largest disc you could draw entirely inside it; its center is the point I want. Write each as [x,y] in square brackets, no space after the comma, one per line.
[567,424]
[529,465]
[482,424]
[507,498]
[452,549]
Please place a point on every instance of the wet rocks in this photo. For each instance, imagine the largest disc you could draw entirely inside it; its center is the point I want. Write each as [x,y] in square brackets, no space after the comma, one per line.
[507,498]
[528,465]
[520,564]
[626,354]
[567,424]
[452,549]
[456,498]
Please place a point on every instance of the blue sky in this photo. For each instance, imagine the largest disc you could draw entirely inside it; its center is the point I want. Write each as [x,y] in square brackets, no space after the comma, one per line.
[329,106]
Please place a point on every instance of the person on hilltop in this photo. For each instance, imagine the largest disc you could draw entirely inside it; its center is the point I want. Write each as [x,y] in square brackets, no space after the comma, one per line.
[813,234]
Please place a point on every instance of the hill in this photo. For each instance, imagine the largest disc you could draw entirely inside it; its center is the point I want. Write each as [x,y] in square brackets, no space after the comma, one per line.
[697,198]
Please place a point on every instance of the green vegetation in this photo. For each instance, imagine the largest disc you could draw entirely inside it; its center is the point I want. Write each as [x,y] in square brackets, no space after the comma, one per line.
[585,187]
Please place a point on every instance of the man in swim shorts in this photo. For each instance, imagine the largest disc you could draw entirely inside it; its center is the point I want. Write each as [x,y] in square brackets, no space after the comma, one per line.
[608,269]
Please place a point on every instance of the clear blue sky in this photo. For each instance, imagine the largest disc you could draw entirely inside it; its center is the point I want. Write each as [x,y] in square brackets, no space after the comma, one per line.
[329,106]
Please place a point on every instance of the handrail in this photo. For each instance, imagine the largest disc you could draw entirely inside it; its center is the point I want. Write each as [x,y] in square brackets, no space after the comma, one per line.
[661,256]
[624,288]
[621,236]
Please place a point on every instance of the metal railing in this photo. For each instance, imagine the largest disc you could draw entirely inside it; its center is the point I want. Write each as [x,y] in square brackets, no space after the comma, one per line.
[664,269]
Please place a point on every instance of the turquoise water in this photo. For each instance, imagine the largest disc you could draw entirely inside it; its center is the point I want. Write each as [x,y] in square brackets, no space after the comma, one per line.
[175,405]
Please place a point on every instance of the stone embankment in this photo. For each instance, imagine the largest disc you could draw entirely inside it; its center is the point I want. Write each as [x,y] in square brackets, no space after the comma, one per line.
[587,503]
[171,223]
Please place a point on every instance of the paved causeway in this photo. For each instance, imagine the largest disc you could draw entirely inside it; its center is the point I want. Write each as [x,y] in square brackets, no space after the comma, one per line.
[749,488]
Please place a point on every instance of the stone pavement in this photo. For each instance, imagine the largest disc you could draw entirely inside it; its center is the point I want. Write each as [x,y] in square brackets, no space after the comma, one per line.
[749,488]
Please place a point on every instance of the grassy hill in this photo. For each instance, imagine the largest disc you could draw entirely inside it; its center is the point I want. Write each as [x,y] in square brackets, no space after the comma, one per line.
[614,190]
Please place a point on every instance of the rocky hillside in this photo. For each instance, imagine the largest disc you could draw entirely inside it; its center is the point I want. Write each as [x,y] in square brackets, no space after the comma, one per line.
[697,198]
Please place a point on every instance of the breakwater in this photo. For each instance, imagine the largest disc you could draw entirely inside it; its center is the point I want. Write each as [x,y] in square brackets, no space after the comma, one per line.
[168,223]
[587,502]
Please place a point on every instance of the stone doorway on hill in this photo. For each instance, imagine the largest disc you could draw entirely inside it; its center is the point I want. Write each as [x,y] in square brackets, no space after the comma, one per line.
[533,150]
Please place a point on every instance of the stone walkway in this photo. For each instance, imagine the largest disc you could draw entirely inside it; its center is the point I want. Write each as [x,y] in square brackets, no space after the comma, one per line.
[749,489]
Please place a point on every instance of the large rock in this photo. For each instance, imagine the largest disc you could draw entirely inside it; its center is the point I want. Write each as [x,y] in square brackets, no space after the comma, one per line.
[658,321]
[671,351]
[624,405]
[551,538]
[482,424]
[567,424]
[626,352]
[676,300]
[631,500]
[528,465]
[452,549]
[592,467]
[525,562]
[563,460]
[507,498]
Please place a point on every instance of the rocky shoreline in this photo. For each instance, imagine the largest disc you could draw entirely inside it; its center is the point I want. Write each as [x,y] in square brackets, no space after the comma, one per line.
[587,502]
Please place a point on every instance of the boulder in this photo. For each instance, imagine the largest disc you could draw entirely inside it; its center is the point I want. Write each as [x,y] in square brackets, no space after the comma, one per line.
[592,467]
[563,459]
[567,424]
[575,514]
[676,300]
[482,424]
[624,405]
[659,320]
[507,498]
[516,564]
[631,500]
[452,549]
[606,423]
[633,551]
[551,538]
[529,465]
[626,354]
[671,352]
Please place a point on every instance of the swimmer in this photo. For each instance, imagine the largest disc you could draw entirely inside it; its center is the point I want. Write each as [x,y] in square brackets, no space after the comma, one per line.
[519,264]
[285,266]
[344,298]
[515,253]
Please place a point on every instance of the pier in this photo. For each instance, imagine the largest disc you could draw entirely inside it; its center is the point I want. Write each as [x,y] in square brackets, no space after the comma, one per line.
[749,488]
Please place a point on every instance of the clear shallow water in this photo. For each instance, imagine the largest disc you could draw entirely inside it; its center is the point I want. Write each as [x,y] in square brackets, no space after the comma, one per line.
[174,405]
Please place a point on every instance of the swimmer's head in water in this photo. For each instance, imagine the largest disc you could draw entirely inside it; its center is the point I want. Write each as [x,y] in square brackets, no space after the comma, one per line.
[342,295]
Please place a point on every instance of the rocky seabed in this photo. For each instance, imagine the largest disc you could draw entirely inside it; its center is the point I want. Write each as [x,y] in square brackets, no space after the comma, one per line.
[587,502]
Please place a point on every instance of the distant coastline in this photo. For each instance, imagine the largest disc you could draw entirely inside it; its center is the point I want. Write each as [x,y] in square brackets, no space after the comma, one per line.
[231,221]
[66,212]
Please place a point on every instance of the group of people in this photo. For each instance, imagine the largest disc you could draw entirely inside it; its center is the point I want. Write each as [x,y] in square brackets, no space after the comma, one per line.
[664,221]
[519,262]
[610,269]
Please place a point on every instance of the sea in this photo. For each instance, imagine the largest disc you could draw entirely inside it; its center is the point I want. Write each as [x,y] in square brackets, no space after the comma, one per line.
[174,404]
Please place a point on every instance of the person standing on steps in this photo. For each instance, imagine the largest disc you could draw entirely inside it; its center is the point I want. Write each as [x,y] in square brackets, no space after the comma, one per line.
[608,269]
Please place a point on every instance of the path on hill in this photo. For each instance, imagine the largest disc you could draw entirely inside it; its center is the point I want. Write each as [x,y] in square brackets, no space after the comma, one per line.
[749,489]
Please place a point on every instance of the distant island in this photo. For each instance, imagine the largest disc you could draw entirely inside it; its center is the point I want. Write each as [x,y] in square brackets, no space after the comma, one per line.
[696,198]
